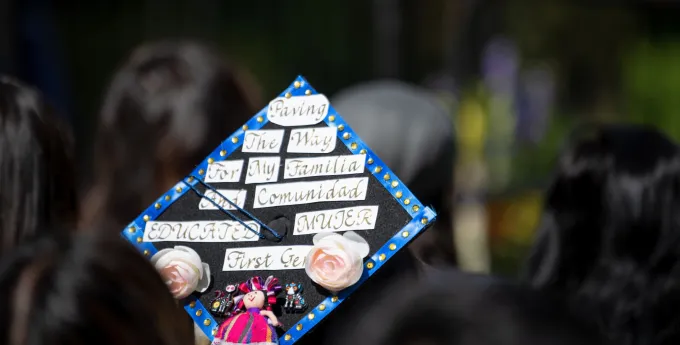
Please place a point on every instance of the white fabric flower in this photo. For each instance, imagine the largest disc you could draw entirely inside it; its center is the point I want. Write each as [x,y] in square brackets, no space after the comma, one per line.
[182,270]
[336,261]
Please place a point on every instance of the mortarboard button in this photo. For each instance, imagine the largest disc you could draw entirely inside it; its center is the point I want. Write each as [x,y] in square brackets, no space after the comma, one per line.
[292,205]
[280,225]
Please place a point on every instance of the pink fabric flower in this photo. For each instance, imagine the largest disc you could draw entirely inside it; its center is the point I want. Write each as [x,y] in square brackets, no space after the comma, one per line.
[336,261]
[182,270]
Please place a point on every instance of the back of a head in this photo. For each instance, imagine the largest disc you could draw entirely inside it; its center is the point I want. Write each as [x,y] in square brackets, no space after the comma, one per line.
[411,130]
[167,108]
[86,290]
[37,177]
[464,309]
[610,231]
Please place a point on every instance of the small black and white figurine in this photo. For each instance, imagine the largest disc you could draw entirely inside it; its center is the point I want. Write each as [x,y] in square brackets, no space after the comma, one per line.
[294,300]
[223,303]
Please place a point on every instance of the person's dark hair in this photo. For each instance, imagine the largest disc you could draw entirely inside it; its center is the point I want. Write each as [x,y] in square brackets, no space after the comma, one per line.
[610,232]
[167,108]
[37,177]
[83,289]
[401,270]
[464,309]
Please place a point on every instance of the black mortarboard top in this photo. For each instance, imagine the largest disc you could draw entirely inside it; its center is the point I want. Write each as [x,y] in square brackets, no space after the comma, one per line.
[253,206]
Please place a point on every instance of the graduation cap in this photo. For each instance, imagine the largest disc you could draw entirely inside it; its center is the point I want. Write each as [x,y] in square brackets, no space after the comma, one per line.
[280,224]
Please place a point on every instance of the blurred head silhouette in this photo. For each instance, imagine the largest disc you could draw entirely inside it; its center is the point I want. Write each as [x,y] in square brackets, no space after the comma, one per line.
[86,290]
[167,108]
[419,149]
[464,309]
[37,177]
[610,232]
[412,132]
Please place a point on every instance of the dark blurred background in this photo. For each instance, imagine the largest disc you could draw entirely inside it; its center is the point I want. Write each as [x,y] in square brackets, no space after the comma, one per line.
[517,75]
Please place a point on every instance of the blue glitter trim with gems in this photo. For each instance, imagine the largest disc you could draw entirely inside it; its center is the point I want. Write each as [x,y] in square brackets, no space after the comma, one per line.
[421,217]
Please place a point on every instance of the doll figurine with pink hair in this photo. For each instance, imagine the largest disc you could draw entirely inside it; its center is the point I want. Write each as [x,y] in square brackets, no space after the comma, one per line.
[253,322]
